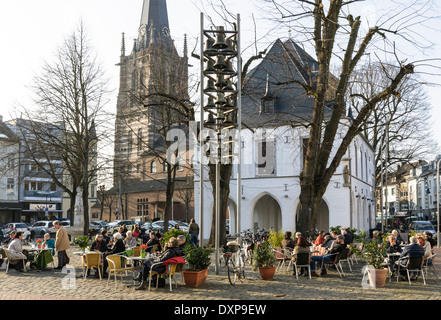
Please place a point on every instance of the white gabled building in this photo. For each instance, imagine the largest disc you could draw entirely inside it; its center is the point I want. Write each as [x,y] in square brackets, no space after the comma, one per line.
[272,149]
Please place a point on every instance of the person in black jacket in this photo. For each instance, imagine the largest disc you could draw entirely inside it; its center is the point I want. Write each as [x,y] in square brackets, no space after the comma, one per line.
[99,244]
[337,247]
[157,265]
[153,241]
[118,247]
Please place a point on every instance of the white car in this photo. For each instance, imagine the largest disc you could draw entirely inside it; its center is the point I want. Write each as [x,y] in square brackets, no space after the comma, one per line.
[16,226]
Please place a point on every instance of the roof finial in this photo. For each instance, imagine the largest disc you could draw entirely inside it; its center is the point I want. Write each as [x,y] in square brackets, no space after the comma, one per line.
[123,46]
[185,46]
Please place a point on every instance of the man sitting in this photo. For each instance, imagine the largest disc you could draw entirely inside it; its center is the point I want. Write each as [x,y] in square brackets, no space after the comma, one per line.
[337,247]
[412,250]
[172,250]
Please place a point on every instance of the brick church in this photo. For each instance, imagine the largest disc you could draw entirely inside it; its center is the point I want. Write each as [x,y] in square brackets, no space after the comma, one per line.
[152,100]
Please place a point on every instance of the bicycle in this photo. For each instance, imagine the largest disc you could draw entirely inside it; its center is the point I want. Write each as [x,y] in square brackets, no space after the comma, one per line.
[235,262]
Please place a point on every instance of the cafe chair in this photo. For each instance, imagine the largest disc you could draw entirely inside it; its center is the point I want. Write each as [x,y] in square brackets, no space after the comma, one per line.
[414,264]
[302,260]
[171,266]
[426,265]
[335,262]
[280,257]
[344,257]
[118,265]
[92,260]
[8,260]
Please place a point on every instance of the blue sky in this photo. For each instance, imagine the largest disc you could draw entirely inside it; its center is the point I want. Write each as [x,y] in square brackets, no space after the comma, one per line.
[31,31]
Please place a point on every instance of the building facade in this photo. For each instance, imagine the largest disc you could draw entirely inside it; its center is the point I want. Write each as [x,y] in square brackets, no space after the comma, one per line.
[10,206]
[275,114]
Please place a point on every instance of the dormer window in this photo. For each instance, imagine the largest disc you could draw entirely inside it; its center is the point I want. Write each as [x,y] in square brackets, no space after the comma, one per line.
[267,105]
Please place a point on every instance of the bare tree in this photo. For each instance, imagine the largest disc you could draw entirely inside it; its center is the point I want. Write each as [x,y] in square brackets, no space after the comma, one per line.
[336,35]
[405,116]
[68,118]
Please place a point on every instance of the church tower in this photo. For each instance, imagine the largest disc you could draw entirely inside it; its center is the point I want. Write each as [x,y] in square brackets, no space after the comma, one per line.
[152,70]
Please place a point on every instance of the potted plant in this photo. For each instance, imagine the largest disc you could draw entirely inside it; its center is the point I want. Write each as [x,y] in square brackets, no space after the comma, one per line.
[199,260]
[82,242]
[143,249]
[265,261]
[374,253]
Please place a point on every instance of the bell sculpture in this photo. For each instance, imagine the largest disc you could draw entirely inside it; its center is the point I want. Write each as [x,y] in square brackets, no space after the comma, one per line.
[220,42]
[209,69]
[210,86]
[209,49]
[220,63]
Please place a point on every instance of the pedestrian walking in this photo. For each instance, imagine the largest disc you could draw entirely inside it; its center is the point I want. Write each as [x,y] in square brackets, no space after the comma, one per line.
[193,230]
[61,245]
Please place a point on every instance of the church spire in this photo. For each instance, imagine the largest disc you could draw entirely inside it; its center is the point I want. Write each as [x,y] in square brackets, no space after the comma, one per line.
[154,17]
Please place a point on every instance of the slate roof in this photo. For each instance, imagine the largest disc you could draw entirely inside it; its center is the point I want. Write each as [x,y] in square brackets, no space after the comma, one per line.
[6,133]
[285,64]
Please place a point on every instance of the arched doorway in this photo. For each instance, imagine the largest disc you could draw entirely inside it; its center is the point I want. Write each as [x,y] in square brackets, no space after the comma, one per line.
[267,213]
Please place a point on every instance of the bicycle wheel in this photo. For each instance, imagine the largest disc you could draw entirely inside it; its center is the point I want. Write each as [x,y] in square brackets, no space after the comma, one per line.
[241,269]
[231,270]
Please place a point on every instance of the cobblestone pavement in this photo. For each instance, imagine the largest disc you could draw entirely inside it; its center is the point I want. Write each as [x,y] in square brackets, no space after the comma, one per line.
[56,285]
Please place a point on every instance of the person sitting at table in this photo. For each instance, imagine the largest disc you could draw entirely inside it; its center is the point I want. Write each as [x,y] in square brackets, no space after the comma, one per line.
[422,240]
[152,242]
[118,247]
[376,237]
[337,247]
[398,238]
[156,264]
[16,252]
[130,240]
[429,237]
[181,243]
[329,240]
[393,246]
[136,232]
[287,241]
[413,249]
[320,238]
[99,244]
[301,247]
[48,243]
[347,236]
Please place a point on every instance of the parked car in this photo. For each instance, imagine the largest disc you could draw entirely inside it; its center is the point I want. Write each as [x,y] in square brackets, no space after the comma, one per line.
[159,225]
[17,226]
[40,228]
[421,226]
[102,224]
[113,226]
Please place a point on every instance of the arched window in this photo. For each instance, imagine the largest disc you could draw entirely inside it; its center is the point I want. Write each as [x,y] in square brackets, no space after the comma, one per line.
[153,167]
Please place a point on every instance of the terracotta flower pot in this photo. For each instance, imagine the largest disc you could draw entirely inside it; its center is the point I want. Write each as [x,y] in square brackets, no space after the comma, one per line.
[267,273]
[195,278]
[377,277]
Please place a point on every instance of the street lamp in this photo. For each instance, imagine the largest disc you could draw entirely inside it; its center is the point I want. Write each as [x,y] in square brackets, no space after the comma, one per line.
[219,48]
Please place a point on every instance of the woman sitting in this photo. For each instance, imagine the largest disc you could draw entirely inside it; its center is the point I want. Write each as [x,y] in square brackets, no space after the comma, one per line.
[16,254]
[49,243]
[130,240]
[99,244]
[301,247]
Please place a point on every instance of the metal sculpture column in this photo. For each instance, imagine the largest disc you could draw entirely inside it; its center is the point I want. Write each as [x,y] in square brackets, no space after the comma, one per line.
[220,49]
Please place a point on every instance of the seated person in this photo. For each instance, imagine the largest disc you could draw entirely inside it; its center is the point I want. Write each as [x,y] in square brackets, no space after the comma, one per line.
[181,243]
[118,247]
[99,244]
[48,243]
[301,247]
[320,238]
[329,240]
[337,247]
[130,240]
[422,240]
[398,238]
[172,250]
[153,241]
[16,252]
[106,237]
[412,250]
[287,241]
